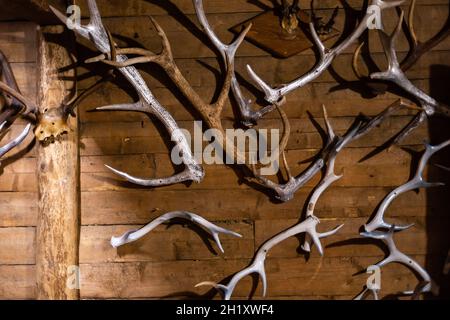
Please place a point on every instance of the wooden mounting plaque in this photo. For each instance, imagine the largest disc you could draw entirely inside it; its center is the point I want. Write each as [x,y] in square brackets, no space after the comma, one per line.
[267,34]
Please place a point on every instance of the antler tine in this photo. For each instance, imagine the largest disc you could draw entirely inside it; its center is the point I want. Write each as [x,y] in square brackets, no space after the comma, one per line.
[308,226]
[411,29]
[16,141]
[395,255]
[133,235]
[326,57]
[249,116]
[98,35]
[416,182]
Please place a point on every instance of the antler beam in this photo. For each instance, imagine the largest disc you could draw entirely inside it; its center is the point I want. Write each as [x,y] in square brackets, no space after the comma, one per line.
[133,235]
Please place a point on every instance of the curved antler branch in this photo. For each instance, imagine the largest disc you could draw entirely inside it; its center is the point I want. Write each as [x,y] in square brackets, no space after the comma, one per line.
[257,266]
[133,235]
[326,56]
[395,255]
[416,182]
[97,34]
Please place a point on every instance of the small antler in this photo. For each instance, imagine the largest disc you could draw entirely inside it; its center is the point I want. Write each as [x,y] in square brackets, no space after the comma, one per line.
[326,56]
[308,226]
[416,182]
[396,255]
[133,235]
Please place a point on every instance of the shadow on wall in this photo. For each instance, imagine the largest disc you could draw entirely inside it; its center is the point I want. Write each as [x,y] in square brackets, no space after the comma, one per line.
[438,200]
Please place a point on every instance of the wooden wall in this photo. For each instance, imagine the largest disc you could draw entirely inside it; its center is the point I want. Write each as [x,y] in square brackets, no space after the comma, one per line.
[170,261]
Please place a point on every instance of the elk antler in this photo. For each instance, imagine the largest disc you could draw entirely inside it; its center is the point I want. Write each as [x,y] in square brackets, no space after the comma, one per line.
[97,34]
[326,56]
[396,255]
[416,182]
[307,226]
[133,235]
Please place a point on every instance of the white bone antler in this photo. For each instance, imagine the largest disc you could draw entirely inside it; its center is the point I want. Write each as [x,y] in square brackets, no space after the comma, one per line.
[248,116]
[326,55]
[133,235]
[416,182]
[98,35]
[257,266]
[395,255]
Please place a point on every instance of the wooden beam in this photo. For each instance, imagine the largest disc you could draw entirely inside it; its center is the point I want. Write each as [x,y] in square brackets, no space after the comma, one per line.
[58,224]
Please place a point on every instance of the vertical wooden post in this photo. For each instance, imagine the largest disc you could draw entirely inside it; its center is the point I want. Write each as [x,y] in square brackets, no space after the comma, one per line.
[58,225]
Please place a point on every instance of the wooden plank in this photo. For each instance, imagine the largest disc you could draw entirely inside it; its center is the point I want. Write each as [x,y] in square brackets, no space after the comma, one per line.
[355,174]
[285,277]
[17,246]
[274,71]
[348,243]
[139,207]
[117,8]
[18,209]
[118,138]
[186,30]
[17,282]
[18,41]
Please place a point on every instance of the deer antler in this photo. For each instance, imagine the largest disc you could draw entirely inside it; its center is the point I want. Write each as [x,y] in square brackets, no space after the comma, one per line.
[396,255]
[133,235]
[286,191]
[326,57]
[248,116]
[97,34]
[308,226]
[416,182]
[396,75]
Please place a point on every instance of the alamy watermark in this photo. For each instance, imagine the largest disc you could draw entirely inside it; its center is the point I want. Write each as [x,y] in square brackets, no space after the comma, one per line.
[241,147]
[374,281]
[374,21]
